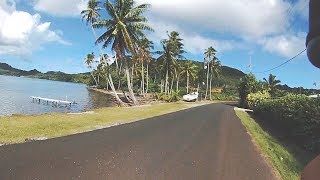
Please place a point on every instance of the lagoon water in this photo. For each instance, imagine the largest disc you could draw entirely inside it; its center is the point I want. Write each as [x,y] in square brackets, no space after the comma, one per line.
[15,95]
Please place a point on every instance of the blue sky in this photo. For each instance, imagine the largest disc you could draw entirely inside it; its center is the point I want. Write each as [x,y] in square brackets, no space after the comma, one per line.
[49,35]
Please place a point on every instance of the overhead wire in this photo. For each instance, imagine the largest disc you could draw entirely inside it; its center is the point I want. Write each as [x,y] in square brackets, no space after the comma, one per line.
[289,60]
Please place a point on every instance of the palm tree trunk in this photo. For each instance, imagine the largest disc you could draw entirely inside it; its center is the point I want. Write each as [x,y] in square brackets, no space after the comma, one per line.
[177,84]
[142,80]
[210,87]
[95,80]
[147,88]
[110,82]
[132,75]
[207,82]
[187,82]
[166,83]
[161,86]
[130,88]
[171,87]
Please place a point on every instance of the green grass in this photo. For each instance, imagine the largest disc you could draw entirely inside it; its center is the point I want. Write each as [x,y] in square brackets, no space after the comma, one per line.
[284,159]
[16,128]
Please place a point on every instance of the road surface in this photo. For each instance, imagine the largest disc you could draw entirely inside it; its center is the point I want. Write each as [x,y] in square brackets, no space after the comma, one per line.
[206,142]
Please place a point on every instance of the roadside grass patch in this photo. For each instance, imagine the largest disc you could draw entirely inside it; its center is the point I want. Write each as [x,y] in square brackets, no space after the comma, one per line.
[18,128]
[288,161]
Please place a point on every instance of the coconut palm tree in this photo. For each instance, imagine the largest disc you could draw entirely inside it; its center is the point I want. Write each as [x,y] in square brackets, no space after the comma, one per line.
[189,69]
[209,55]
[91,15]
[104,62]
[89,60]
[215,68]
[172,50]
[144,57]
[272,83]
[124,27]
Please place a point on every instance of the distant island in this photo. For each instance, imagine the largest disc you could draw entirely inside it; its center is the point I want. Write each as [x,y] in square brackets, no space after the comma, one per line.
[6,69]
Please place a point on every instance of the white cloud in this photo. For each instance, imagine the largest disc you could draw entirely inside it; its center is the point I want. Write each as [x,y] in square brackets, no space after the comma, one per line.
[61,8]
[193,42]
[17,38]
[263,22]
[284,45]
[245,18]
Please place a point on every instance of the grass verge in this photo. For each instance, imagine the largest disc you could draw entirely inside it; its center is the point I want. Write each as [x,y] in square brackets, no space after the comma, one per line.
[284,159]
[16,128]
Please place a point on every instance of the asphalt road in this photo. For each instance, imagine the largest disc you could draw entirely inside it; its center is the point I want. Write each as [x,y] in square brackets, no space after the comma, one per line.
[206,142]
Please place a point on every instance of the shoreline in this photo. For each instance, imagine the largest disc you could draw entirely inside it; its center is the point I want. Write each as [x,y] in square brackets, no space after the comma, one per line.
[26,128]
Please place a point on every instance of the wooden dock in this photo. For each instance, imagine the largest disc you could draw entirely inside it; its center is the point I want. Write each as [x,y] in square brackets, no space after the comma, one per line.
[53,101]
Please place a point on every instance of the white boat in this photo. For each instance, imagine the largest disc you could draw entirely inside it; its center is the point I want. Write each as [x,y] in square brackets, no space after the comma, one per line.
[190,97]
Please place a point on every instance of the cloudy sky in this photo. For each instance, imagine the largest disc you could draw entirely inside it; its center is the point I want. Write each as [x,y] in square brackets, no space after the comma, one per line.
[49,35]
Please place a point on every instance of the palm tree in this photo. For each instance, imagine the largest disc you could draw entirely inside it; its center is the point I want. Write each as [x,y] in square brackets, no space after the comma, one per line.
[272,83]
[189,69]
[124,28]
[172,50]
[91,16]
[107,72]
[209,55]
[215,68]
[144,57]
[89,60]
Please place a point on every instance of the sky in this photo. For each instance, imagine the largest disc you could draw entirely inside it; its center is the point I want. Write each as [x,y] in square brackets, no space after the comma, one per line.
[50,35]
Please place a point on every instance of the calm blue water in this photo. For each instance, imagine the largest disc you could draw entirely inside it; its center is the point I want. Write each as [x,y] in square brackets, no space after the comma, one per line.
[15,95]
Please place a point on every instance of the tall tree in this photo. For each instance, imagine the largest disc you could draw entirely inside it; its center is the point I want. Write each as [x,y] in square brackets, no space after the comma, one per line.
[124,27]
[215,68]
[189,69]
[91,15]
[89,60]
[172,50]
[144,56]
[107,72]
[210,55]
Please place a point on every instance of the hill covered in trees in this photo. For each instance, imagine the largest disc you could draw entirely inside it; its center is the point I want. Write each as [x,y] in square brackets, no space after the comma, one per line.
[230,76]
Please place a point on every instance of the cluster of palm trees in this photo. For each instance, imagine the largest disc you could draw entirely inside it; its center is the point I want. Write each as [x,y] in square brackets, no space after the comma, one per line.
[124,32]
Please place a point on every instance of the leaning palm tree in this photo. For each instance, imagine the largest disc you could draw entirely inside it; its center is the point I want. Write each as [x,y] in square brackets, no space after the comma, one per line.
[124,27]
[91,15]
[272,83]
[107,72]
[89,60]
[189,69]
[209,55]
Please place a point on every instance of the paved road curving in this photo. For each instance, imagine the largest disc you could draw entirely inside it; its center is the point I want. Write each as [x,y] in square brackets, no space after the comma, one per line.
[206,142]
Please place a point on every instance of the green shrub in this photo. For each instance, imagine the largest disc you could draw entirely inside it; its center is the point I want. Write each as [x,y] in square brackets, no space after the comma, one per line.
[173,97]
[254,99]
[248,84]
[297,115]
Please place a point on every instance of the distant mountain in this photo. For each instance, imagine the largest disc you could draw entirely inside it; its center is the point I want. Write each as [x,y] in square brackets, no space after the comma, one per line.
[230,76]
[6,69]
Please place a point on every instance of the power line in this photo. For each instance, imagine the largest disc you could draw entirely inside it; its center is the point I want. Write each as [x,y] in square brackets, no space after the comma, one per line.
[283,63]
